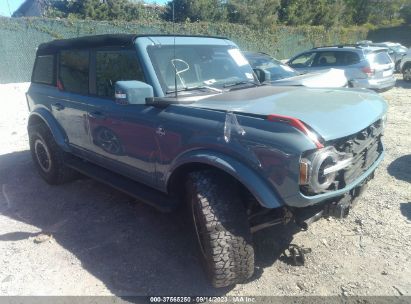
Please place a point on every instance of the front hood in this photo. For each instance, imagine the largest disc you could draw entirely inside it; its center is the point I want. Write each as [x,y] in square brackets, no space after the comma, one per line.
[333,113]
[332,78]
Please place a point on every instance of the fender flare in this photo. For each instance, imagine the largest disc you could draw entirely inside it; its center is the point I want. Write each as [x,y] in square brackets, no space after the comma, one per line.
[258,187]
[56,130]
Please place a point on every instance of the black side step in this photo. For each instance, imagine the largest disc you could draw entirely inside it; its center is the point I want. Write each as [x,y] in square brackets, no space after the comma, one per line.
[143,193]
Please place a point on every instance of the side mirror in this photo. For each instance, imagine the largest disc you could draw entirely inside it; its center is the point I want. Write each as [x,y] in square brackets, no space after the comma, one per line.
[132,92]
[262,75]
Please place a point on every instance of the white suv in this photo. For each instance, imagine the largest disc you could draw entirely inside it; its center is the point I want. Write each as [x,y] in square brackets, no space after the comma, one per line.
[364,67]
[405,66]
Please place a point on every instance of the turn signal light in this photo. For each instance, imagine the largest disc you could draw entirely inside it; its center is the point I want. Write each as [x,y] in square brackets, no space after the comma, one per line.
[304,173]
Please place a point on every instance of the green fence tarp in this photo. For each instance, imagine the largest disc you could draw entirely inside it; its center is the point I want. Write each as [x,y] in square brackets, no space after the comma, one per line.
[19,38]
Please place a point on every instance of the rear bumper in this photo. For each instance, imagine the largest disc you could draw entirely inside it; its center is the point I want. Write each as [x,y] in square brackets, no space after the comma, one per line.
[374,84]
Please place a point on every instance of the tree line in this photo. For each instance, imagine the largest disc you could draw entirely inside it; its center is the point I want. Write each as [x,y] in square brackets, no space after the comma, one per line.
[259,14]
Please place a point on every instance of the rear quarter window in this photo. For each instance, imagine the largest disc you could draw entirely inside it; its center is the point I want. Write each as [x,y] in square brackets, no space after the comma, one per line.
[43,71]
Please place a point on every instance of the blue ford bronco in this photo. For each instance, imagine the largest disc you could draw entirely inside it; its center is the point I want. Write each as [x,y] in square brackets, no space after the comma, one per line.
[172,119]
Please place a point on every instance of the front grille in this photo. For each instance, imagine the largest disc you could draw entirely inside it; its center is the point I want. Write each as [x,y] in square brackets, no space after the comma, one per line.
[365,148]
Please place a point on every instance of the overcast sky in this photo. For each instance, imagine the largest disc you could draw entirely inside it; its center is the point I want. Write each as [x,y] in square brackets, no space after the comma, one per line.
[14,4]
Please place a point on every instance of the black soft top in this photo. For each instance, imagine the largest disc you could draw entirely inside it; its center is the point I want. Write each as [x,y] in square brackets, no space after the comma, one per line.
[122,40]
[119,40]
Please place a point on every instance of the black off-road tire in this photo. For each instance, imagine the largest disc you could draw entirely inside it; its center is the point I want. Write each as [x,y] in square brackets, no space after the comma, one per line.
[221,227]
[406,73]
[48,157]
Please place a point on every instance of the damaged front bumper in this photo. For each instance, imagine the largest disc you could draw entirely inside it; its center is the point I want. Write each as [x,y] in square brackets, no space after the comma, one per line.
[338,207]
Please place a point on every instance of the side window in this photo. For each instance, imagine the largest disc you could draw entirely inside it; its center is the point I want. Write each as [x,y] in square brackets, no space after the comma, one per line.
[74,71]
[303,61]
[348,58]
[112,66]
[325,59]
[43,71]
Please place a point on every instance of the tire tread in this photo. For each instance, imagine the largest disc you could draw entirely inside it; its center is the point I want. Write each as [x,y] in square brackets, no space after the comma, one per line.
[229,250]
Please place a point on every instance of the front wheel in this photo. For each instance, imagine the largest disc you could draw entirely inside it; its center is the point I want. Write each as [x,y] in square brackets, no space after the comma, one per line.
[221,227]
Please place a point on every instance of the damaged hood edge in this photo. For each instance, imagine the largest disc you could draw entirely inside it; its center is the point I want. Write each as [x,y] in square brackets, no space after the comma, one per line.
[332,113]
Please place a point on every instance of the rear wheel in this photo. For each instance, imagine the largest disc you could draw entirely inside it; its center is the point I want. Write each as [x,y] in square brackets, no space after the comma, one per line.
[406,73]
[48,157]
[221,227]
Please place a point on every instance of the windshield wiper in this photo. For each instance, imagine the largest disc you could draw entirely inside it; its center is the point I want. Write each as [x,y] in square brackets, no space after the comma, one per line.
[241,83]
[201,87]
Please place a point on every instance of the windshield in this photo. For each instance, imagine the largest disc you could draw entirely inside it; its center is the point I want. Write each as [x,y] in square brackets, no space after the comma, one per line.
[276,68]
[200,66]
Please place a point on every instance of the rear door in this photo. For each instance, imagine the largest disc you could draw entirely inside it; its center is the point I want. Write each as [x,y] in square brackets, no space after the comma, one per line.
[71,101]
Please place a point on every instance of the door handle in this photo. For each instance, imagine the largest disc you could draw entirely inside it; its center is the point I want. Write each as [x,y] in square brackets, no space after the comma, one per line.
[97,115]
[58,106]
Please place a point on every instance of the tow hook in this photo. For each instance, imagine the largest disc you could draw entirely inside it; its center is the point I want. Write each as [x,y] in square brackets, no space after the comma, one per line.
[339,209]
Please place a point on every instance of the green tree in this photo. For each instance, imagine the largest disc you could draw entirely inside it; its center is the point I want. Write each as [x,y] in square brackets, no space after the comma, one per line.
[96,9]
[313,12]
[195,10]
[405,13]
[358,11]
[374,11]
[261,14]
[385,12]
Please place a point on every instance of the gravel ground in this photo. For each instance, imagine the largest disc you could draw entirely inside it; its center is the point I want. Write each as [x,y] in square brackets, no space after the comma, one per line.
[84,238]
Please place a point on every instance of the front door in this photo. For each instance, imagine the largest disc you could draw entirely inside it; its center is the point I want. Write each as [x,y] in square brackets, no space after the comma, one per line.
[121,136]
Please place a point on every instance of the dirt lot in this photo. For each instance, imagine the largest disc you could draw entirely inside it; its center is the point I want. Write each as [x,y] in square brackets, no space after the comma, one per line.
[102,242]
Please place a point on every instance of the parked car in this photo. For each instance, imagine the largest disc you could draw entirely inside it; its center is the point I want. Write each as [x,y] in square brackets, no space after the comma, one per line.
[182,119]
[365,67]
[405,66]
[275,72]
[395,50]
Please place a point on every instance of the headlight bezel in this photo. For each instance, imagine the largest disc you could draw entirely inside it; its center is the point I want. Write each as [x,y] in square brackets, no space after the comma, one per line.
[321,168]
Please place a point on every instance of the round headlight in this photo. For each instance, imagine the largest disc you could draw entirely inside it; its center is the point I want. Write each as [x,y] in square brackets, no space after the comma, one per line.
[319,180]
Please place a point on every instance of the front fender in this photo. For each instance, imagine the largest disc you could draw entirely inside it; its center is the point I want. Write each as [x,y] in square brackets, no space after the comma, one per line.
[58,133]
[257,186]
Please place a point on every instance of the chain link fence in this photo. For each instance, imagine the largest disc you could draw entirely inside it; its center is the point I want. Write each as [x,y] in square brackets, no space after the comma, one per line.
[19,38]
